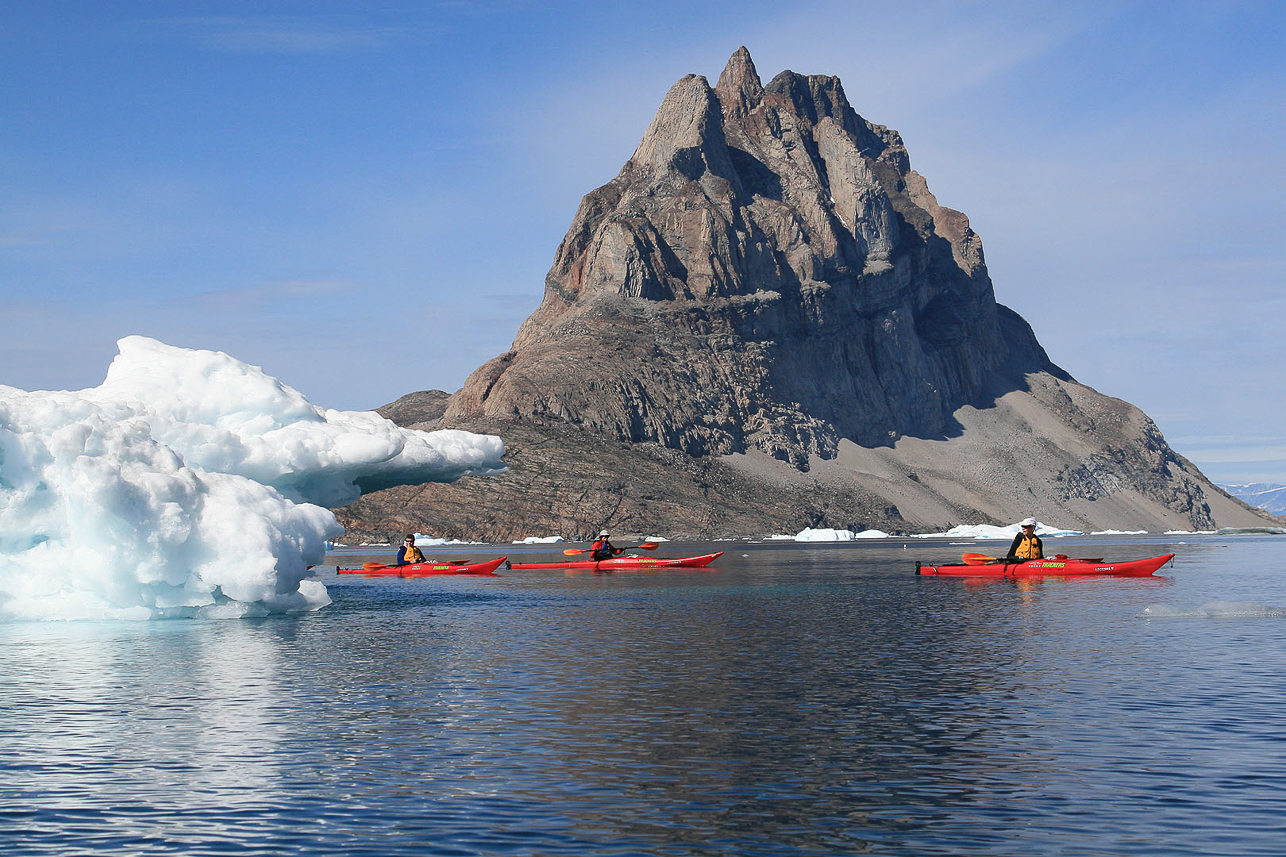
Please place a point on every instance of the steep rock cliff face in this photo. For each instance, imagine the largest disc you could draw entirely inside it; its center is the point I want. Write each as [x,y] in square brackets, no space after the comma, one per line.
[770,299]
[766,272]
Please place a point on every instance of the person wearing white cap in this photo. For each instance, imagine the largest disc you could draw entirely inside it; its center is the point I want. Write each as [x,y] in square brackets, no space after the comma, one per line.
[1026,544]
[602,548]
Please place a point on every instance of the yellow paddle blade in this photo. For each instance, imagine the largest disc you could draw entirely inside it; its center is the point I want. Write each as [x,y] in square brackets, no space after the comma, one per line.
[574,552]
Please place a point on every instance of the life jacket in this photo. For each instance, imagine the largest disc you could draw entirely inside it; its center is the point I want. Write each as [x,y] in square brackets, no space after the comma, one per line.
[1029,547]
[413,555]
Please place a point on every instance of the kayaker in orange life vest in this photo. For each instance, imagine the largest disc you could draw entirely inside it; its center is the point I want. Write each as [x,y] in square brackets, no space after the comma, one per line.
[602,548]
[1027,544]
[408,553]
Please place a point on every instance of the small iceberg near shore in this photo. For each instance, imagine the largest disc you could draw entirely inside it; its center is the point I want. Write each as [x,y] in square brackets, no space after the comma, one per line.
[436,542]
[826,534]
[984,532]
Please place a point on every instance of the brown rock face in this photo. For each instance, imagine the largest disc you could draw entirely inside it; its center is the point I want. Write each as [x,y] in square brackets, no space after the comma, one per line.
[767,280]
[767,273]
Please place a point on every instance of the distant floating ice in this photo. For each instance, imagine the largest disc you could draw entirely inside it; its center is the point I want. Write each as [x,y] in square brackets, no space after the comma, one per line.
[190,484]
[539,540]
[986,531]
[433,541]
[826,534]
[1214,610]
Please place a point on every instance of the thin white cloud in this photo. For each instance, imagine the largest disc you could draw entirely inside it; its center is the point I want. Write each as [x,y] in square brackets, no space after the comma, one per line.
[1237,455]
[283,34]
[272,293]
[16,239]
[902,60]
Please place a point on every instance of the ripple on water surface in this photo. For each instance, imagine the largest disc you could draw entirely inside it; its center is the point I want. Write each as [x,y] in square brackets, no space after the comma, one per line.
[793,701]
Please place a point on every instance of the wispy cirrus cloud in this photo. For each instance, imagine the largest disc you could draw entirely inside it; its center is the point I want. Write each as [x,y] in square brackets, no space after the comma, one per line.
[276,294]
[283,34]
[17,239]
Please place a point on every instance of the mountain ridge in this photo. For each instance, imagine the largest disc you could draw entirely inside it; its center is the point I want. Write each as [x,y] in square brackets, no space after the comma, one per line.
[768,301]
[1269,496]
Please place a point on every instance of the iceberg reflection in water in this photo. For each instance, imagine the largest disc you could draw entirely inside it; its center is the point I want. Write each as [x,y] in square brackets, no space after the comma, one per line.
[797,699]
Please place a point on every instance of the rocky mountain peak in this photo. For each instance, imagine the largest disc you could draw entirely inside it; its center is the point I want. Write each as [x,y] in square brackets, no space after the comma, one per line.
[768,284]
[686,135]
[739,90]
[770,274]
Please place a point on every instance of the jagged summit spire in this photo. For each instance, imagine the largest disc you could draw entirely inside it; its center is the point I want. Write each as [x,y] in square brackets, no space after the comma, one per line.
[814,95]
[769,219]
[739,89]
[687,132]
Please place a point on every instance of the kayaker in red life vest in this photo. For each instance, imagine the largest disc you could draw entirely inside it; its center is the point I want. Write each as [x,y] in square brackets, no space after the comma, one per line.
[408,553]
[1027,544]
[602,548]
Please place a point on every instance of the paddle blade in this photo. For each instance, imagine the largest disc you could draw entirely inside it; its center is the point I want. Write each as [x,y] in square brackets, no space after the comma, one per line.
[978,559]
[372,565]
[648,546]
[574,552]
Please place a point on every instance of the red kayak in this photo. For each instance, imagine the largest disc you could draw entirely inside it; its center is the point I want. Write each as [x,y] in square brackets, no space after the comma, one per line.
[624,563]
[1063,567]
[426,569]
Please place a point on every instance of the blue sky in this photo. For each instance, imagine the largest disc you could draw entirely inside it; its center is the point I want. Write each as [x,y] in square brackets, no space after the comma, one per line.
[364,198]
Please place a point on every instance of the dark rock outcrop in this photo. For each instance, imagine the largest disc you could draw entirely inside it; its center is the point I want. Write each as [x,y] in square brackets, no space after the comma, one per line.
[767,302]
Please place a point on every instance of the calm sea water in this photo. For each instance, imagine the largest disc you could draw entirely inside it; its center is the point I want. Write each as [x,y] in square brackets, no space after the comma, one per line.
[794,700]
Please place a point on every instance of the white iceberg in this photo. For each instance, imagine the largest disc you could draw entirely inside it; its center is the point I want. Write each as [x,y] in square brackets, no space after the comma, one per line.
[827,534]
[434,541]
[983,532]
[189,483]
